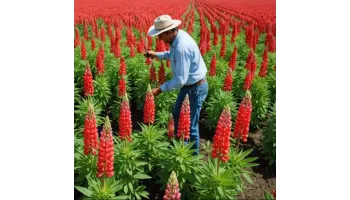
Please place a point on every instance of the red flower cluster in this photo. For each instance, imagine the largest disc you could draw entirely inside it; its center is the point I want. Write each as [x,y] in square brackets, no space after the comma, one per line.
[232,63]
[83,50]
[102,34]
[88,82]
[264,64]
[93,43]
[223,46]
[184,120]
[125,124]
[213,66]
[149,107]
[90,132]
[100,60]
[132,52]
[221,144]
[86,33]
[76,38]
[152,74]
[172,191]
[228,80]
[121,87]
[243,118]
[122,67]
[105,162]
[161,74]
[171,127]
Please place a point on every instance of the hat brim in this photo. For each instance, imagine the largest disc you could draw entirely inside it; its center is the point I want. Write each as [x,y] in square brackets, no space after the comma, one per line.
[153,32]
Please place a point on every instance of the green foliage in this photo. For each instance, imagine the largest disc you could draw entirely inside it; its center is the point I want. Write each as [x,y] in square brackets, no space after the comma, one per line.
[153,143]
[268,196]
[82,108]
[102,91]
[215,106]
[260,101]
[179,158]
[269,137]
[101,190]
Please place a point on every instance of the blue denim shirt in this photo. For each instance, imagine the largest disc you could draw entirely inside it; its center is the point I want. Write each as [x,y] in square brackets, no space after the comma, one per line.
[187,64]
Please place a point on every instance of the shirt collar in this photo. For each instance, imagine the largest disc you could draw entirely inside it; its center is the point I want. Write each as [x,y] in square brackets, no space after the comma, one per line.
[176,40]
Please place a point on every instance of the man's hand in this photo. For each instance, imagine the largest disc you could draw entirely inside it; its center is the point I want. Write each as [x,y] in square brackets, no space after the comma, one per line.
[150,54]
[156,91]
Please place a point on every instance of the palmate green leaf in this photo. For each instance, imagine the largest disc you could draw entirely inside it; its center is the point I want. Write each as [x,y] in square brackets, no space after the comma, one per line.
[144,194]
[85,191]
[221,192]
[126,190]
[247,177]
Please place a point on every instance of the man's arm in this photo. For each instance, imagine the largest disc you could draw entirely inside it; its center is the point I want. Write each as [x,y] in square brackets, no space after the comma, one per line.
[163,55]
[182,68]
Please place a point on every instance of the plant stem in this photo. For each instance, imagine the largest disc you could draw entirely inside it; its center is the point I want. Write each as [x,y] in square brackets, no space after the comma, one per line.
[218,166]
[237,145]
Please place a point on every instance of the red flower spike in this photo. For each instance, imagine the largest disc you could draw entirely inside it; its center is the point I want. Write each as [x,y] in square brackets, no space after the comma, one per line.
[152,74]
[228,80]
[83,50]
[216,38]
[122,67]
[102,34]
[241,128]
[86,34]
[184,120]
[76,38]
[88,82]
[232,63]
[90,132]
[125,124]
[213,66]
[249,59]
[168,63]
[100,61]
[161,74]
[132,52]
[149,107]
[223,47]
[248,81]
[93,43]
[105,162]
[121,87]
[264,64]
[171,127]
[172,191]
[221,143]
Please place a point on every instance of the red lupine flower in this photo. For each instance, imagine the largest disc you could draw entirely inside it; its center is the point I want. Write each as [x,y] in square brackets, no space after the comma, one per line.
[93,43]
[117,52]
[255,39]
[105,162]
[221,143]
[83,50]
[228,80]
[132,52]
[223,46]
[208,41]
[152,74]
[125,124]
[109,31]
[102,34]
[215,41]
[121,87]
[172,191]
[253,66]
[100,60]
[161,74]
[248,81]
[232,63]
[88,83]
[76,38]
[90,132]
[86,34]
[122,67]
[149,107]
[249,59]
[264,64]
[148,61]
[184,120]
[171,127]
[241,128]
[212,71]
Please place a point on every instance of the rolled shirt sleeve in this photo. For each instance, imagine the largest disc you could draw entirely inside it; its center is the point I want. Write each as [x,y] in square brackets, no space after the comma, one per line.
[181,70]
[163,55]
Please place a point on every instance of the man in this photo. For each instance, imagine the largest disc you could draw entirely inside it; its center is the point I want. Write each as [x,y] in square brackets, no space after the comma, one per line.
[188,67]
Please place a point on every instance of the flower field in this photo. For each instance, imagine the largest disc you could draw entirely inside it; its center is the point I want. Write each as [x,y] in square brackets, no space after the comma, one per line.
[124,141]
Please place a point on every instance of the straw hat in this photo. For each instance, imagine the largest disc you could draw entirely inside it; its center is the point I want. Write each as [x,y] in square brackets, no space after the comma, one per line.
[161,24]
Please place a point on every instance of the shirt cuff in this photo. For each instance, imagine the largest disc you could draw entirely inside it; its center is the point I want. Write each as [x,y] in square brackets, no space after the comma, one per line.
[163,87]
[160,55]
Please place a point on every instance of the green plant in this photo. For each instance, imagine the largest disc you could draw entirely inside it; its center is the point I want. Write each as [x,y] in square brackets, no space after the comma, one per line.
[82,108]
[268,196]
[104,190]
[260,101]
[216,104]
[102,90]
[269,137]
